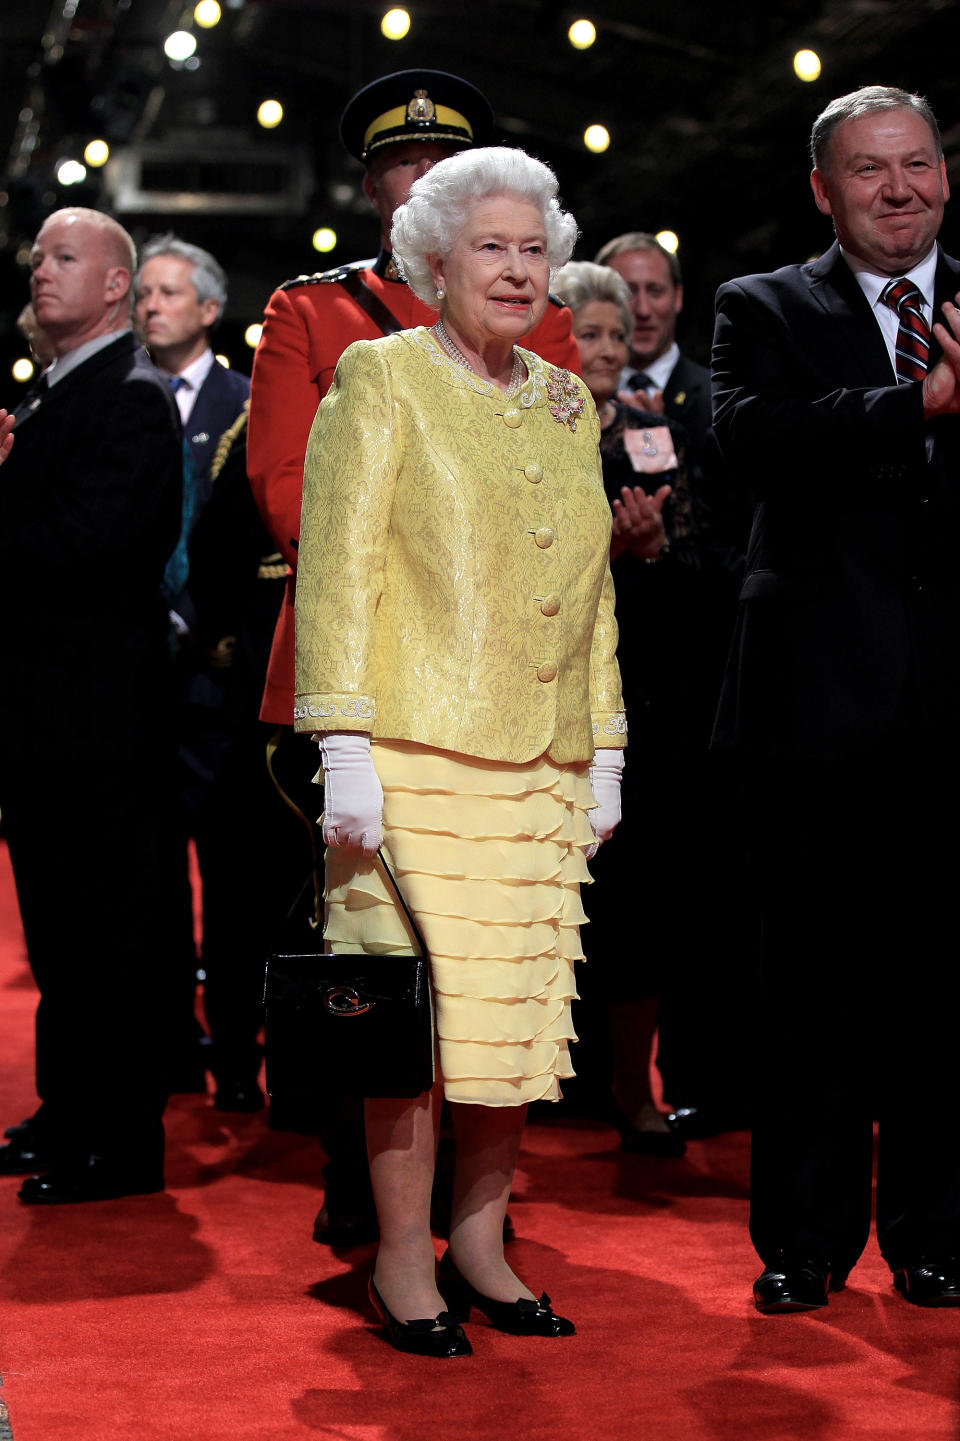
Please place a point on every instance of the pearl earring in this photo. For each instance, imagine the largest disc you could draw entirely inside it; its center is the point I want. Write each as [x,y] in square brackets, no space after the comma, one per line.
[440,292]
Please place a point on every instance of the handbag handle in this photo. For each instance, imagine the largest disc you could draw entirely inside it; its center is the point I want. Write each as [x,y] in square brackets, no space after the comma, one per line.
[403,905]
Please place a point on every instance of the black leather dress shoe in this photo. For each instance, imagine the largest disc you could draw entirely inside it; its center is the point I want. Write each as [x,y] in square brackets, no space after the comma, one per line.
[25,1154]
[517,1318]
[799,1286]
[335,1228]
[234,1095]
[96,1179]
[667,1145]
[930,1281]
[694,1123]
[26,1125]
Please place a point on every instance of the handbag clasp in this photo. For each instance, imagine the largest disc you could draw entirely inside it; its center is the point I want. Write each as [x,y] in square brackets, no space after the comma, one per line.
[345,1001]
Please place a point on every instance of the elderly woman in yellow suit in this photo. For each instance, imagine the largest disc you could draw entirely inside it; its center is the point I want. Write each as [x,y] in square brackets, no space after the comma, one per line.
[455,655]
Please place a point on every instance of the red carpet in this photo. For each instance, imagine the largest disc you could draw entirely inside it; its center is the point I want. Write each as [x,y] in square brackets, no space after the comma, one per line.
[207,1313]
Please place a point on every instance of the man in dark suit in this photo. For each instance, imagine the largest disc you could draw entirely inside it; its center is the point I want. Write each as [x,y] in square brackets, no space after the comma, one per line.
[89,511]
[701,1011]
[660,376]
[843,700]
[181,292]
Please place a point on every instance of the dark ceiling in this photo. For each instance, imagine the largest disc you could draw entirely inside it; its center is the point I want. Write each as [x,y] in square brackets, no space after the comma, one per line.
[708,121]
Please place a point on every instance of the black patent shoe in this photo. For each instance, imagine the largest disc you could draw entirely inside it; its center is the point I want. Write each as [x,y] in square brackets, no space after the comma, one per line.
[667,1145]
[344,1228]
[930,1282]
[517,1318]
[440,1336]
[92,1178]
[694,1123]
[25,1153]
[799,1285]
[238,1095]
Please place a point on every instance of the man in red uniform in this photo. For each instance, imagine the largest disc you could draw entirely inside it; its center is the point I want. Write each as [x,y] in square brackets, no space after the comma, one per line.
[398,126]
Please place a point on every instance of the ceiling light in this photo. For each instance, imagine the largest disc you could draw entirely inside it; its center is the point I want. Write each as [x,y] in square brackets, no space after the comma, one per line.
[806,64]
[324,239]
[669,239]
[582,34]
[395,24]
[596,138]
[207,14]
[22,370]
[252,335]
[269,114]
[97,153]
[180,45]
[224,361]
[71,172]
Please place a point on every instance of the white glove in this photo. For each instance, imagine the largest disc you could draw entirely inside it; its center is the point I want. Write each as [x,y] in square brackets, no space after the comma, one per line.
[605,773]
[353,795]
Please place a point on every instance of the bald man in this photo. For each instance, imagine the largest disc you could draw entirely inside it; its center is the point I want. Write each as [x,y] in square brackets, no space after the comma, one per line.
[89,512]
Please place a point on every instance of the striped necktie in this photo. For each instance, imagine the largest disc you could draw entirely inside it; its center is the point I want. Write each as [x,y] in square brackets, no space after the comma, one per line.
[913,336]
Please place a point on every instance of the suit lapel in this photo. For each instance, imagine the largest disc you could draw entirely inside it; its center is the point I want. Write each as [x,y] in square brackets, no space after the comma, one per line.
[53,395]
[862,352]
[217,406]
[683,385]
[945,287]
[205,406]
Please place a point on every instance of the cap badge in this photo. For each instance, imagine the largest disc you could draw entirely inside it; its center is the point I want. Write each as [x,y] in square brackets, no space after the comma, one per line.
[421,107]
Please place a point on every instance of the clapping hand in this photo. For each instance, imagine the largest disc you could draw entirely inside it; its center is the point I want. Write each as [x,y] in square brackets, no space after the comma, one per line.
[6,434]
[648,400]
[941,387]
[638,522]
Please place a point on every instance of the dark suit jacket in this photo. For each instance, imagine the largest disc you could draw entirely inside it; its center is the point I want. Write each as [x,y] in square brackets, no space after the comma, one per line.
[686,397]
[220,400]
[89,512]
[852,586]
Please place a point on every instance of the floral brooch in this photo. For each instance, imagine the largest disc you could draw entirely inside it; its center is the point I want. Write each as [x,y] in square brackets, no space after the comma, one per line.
[567,402]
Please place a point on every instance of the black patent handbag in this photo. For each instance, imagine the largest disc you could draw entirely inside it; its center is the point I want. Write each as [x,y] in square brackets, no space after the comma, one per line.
[349,1025]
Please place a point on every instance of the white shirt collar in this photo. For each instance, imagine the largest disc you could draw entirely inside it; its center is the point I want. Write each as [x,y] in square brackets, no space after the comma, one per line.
[659,370]
[198,370]
[193,377]
[872,285]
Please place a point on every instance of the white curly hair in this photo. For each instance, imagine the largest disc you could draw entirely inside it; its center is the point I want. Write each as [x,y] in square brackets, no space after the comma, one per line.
[440,202]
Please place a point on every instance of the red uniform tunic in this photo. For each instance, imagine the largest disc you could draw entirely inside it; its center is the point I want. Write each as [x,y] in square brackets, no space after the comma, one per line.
[307,326]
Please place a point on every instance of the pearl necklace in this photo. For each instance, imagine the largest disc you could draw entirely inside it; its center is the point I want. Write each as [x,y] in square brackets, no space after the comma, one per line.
[516,374]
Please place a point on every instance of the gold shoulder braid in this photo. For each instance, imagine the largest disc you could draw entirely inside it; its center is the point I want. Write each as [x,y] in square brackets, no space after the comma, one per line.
[226,440]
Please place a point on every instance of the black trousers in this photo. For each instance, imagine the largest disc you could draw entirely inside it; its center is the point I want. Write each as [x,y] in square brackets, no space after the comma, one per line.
[90,840]
[670,916]
[856,865]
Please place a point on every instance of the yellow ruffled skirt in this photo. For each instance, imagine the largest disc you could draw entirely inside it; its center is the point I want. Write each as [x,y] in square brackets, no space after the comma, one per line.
[489,858]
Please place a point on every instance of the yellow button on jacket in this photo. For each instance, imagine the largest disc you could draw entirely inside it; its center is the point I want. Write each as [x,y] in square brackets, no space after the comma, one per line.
[420,581]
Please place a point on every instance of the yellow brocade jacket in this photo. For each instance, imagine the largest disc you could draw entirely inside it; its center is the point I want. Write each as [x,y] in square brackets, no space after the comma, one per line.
[453,585]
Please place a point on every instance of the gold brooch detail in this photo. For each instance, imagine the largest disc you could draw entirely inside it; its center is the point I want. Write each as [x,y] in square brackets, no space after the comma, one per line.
[567,401]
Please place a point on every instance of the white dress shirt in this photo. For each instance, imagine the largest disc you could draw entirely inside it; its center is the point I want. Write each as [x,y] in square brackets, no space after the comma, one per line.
[659,370]
[922,275]
[191,380]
